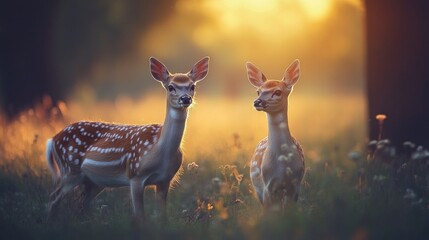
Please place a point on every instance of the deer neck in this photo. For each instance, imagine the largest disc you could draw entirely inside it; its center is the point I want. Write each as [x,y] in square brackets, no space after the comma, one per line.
[278,132]
[173,129]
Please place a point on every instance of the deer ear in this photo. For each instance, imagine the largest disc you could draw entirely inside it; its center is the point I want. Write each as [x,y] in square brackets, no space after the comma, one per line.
[256,77]
[200,70]
[159,70]
[292,74]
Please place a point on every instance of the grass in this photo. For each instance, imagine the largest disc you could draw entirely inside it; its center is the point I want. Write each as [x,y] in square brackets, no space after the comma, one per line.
[349,191]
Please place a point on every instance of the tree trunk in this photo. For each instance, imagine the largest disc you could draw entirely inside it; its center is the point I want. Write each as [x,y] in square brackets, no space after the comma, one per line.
[26,47]
[398,68]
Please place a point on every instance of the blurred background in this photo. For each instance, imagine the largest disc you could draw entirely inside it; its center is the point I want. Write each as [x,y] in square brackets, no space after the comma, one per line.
[58,48]
[89,60]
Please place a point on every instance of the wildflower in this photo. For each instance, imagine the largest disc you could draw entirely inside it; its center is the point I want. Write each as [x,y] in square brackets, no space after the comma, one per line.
[409,194]
[409,144]
[380,117]
[216,181]
[354,156]
[379,178]
[372,145]
[420,154]
[382,143]
[209,206]
[193,166]
[237,175]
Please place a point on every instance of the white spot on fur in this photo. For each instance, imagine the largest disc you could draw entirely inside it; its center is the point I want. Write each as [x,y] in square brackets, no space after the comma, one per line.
[284,147]
[283,158]
[256,171]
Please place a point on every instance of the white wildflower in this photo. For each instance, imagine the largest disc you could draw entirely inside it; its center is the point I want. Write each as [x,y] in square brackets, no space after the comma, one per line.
[354,156]
[409,194]
[409,144]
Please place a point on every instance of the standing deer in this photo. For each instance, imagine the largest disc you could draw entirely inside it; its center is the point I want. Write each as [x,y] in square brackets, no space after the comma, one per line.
[96,155]
[277,166]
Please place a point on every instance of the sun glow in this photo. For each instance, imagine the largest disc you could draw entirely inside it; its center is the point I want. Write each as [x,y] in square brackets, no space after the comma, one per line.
[316,9]
[205,135]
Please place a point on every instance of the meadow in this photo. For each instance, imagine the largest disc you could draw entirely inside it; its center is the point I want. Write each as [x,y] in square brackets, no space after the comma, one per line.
[354,188]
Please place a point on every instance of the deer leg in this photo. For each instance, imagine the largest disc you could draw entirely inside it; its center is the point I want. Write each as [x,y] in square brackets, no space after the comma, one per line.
[273,196]
[161,199]
[91,190]
[65,186]
[137,194]
[267,201]
[54,194]
[294,190]
[56,198]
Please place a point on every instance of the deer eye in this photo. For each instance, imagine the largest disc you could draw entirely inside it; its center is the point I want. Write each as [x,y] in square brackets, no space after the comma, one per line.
[171,88]
[277,93]
[192,87]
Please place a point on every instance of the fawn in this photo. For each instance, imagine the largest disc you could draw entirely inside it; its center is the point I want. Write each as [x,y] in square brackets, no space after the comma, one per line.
[96,155]
[277,166]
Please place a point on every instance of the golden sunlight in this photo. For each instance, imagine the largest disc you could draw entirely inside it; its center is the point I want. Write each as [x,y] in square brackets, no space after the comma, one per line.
[237,20]
[269,33]
[316,9]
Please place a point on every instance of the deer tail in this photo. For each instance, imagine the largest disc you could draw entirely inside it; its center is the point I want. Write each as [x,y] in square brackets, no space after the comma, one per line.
[52,163]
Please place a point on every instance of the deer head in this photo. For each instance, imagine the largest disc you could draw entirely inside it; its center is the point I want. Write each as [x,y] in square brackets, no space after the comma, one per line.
[272,94]
[180,87]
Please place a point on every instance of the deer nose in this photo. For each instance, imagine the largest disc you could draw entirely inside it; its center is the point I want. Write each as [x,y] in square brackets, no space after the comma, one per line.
[257,102]
[185,100]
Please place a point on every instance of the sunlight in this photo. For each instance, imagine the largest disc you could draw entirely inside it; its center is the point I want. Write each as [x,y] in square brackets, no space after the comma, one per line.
[33,127]
[273,30]
[316,9]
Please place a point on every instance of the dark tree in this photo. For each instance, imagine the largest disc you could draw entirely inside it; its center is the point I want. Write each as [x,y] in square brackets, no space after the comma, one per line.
[398,68]
[46,46]
[25,57]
